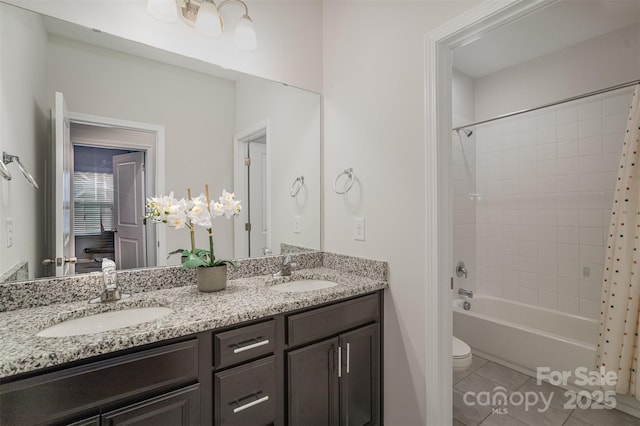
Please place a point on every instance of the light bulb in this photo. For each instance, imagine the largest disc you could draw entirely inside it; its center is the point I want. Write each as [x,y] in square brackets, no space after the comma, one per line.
[208,21]
[245,34]
[163,10]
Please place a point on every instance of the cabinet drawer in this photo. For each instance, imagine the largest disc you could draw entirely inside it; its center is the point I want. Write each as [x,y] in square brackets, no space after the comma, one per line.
[329,320]
[61,394]
[246,395]
[243,344]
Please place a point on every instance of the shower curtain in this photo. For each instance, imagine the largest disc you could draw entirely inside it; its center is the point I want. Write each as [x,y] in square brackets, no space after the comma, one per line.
[618,342]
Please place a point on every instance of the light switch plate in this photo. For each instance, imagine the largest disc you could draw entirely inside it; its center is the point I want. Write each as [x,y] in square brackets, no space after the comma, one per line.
[9,229]
[297,225]
[358,229]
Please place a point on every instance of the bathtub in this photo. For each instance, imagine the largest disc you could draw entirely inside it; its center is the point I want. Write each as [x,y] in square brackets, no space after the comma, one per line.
[525,337]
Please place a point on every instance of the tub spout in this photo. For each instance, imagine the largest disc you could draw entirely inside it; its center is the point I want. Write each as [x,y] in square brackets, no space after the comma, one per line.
[465,293]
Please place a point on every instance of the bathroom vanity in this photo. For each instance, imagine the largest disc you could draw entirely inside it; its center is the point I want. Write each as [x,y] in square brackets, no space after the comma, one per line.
[307,358]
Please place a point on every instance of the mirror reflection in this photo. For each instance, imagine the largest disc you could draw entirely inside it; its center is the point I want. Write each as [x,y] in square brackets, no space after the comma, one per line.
[102,123]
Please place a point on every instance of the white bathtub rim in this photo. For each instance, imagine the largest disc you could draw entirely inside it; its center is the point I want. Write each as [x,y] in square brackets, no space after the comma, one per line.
[457,306]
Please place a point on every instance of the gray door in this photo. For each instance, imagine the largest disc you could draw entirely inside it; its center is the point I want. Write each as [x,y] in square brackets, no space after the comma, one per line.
[128,198]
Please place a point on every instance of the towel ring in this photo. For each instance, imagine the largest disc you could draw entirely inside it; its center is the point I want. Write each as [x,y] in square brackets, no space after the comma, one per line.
[349,183]
[296,186]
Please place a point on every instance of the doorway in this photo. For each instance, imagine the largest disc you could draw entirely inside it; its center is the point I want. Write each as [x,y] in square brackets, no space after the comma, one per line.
[251,154]
[109,189]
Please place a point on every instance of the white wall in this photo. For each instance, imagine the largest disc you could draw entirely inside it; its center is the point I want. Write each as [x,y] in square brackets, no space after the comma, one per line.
[294,150]
[373,120]
[289,34]
[594,64]
[23,131]
[197,110]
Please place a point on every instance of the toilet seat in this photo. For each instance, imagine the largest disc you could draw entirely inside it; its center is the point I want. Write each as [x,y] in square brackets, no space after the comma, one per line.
[461,354]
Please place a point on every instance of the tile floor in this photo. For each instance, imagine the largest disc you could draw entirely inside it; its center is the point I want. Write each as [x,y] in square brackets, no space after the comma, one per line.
[485,375]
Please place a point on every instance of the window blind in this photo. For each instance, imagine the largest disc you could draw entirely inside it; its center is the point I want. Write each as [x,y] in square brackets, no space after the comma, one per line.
[92,203]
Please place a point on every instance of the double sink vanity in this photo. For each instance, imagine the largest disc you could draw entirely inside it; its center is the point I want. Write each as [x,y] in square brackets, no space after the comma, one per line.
[298,350]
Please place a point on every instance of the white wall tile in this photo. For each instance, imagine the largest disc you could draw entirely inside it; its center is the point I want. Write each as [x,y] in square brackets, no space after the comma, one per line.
[590,144]
[590,110]
[568,166]
[548,300]
[588,128]
[613,123]
[569,252]
[547,250]
[568,147]
[618,103]
[548,282]
[547,182]
[528,295]
[589,308]
[612,142]
[567,132]
[569,234]
[569,286]
[591,237]
[567,114]
[569,304]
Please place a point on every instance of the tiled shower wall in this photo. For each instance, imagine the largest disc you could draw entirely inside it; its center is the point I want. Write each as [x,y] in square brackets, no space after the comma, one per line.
[544,183]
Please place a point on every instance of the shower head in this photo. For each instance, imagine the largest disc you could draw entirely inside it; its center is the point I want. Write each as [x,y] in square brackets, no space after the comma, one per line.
[467,133]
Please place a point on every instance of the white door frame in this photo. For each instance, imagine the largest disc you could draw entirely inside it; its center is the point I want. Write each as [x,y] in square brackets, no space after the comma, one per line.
[439,227]
[240,182]
[155,159]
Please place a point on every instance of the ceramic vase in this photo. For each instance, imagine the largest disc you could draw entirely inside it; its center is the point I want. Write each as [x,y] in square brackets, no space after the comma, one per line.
[212,278]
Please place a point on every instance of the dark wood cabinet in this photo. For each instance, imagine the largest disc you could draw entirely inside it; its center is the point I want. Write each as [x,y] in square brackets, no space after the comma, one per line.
[313,384]
[315,366]
[336,381]
[178,408]
[360,377]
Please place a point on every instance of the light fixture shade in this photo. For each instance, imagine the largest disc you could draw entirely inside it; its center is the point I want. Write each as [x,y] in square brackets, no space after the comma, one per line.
[208,21]
[163,10]
[245,34]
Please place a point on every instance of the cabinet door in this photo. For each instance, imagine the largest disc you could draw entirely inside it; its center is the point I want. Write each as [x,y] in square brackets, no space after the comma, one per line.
[178,408]
[360,381]
[313,385]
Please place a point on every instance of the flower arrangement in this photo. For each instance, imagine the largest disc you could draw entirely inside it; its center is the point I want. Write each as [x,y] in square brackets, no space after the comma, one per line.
[200,211]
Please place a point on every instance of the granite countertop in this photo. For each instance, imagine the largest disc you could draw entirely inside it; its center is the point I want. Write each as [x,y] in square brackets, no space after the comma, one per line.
[244,299]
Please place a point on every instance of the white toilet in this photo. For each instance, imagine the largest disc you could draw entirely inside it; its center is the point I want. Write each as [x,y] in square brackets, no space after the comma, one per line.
[461,355]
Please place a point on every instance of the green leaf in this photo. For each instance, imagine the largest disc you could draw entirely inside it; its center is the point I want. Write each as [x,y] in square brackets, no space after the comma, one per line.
[193,261]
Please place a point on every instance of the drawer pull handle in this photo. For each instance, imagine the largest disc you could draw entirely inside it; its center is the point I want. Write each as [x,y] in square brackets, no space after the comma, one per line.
[251,404]
[251,346]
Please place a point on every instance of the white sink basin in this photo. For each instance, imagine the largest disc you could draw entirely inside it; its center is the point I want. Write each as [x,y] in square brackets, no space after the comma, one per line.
[105,321]
[300,286]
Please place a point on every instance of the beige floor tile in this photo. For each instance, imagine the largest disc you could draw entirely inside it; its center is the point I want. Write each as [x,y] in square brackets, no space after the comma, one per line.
[469,415]
[507,377]
[604,417]
[496,419]
[533,417]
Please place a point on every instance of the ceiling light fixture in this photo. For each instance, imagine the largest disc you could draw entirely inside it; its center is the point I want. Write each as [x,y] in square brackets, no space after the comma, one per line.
[205,17]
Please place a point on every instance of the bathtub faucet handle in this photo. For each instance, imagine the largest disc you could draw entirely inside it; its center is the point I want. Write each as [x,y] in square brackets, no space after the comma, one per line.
[465,293]
[461,270]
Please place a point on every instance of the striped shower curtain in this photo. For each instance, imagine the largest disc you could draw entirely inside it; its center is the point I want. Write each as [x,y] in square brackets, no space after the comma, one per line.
[618,342]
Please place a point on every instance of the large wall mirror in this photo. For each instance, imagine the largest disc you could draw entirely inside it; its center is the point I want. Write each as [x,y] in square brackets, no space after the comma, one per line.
[140,122]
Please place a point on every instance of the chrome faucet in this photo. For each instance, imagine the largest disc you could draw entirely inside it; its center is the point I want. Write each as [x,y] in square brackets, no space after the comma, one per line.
[285,269]
[465,293]
[461,270]
[110,292]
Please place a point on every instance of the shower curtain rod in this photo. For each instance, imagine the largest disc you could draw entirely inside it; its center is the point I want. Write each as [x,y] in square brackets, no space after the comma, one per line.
[573,98]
